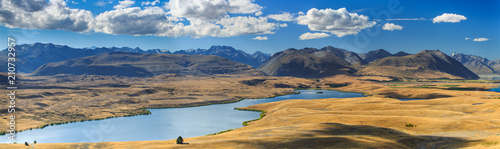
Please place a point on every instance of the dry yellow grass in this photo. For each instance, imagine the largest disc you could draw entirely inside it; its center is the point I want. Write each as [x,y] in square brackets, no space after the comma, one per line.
[450,120]
[45,100]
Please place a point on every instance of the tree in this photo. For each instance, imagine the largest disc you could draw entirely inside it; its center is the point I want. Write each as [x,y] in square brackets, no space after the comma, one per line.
[180,140]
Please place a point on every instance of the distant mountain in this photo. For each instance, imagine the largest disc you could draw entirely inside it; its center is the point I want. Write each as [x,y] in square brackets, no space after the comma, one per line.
[349,56]
[401,53]
[230,53]
[306,63]
[146,65]
[157,51]
[477,64]
[495,65]
[260,57]
[425,64]
[374,55]
[32,56]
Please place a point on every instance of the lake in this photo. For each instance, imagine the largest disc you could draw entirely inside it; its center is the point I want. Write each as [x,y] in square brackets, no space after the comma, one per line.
[496,89]
[163,124]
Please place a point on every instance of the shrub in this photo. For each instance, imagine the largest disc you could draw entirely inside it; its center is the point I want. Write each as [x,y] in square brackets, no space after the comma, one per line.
[180,140]
[410,125]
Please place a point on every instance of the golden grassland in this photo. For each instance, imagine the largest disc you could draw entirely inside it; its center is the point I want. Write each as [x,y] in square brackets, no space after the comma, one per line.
[45,101]
[457,114]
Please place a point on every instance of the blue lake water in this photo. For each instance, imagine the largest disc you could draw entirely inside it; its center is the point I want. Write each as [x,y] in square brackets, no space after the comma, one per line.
[496,89]
[163,124]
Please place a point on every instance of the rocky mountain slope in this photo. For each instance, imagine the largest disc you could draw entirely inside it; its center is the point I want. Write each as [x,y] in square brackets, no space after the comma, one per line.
[477,64]
[146,65]
[374,55]
[254,60]
[32,56]
[306,63]
[425,64]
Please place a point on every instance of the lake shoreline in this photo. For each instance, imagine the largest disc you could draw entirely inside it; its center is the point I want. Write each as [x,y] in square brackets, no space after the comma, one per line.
[145,111]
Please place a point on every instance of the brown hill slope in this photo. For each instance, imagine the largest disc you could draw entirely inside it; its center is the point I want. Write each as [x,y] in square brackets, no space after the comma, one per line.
[426,64]
[306,63]
[145,65]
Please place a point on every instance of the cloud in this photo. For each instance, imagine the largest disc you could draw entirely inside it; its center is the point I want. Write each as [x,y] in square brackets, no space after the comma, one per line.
[133,21]
[285,16]
[467,38]
[392,27]
[235,26]
[147,3]
[260,38]
[259,13]
[124,4]
[339,22]
[210,9]
[449,17]
[480,39]
[127,20]
[406,19]
[101,3]
[35,14]
[308,36]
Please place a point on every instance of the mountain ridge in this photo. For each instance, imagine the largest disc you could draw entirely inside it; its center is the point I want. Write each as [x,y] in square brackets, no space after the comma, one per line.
[425,64]
[131,64]
[478,64]
[32,56]
[306,63]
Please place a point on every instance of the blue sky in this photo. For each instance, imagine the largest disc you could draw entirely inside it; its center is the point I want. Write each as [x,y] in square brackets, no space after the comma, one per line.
[470,27]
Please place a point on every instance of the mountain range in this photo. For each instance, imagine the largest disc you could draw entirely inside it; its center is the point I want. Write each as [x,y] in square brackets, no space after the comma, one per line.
[32,56]
[256,59]
[146,65]
[379,54]
[477,64]
[426,64]
[307,62]
[329,61]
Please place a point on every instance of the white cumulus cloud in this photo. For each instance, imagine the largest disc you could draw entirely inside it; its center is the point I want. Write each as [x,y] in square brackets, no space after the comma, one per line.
[260,38]
[124,4]
[133,21]
[259,13]
[391,27]
[449,17]
[285,16]
[480,39]
[40,14]
[210,9]
[308,36]
[179,19]
[339,22]
[152,3]
[235,26]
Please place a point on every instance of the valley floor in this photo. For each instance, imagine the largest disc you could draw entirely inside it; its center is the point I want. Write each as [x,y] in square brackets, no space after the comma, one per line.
[456,115]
